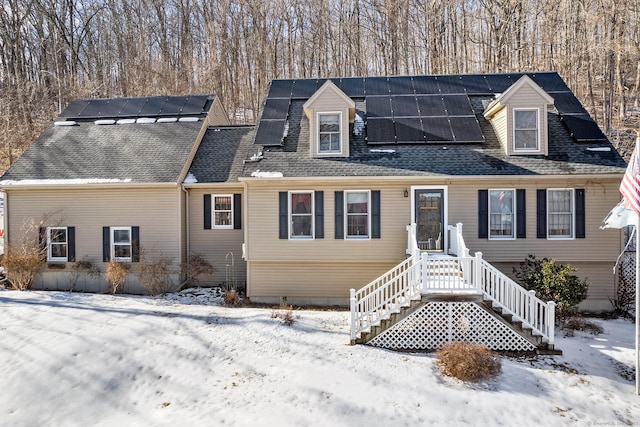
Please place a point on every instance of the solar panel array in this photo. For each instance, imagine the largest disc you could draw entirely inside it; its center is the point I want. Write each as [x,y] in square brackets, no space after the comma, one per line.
[421,109]
[153,106]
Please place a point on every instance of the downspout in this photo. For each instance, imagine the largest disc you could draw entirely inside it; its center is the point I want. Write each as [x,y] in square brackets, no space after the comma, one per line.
[186,231]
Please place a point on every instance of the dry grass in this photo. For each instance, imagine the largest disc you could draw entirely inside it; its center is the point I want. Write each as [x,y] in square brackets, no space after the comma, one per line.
[231,297]
[468,362]
[115,275]
[284,313]
[580,324]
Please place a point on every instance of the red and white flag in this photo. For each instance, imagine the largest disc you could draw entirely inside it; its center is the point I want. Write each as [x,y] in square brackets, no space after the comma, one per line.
[630,185]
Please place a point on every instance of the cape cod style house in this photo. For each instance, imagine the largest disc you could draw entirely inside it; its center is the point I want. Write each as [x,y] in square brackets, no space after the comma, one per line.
[406,197]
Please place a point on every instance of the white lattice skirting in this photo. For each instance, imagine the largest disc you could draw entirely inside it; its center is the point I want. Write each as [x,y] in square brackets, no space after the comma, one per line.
[438,323]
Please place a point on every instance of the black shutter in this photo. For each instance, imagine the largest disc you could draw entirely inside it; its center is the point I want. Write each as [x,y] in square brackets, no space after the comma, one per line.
[483,214]
[237,212]
[135,244]
[375,214]
[339,215]
[580,214]
[541,214]
[521,214]
[207,211]
[283,215]
[106,244]
[71,244]
[319,214]
[42,242]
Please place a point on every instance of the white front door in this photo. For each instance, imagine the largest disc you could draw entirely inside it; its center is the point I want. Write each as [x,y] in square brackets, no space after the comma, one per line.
[430,216]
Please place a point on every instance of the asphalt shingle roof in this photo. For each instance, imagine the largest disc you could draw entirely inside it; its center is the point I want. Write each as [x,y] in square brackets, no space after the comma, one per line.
[137,153]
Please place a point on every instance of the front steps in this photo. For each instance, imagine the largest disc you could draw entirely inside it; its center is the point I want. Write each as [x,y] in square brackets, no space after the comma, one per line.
[435,318]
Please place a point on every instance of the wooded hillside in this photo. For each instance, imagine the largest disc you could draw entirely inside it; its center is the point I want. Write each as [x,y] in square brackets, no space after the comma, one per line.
[53,51]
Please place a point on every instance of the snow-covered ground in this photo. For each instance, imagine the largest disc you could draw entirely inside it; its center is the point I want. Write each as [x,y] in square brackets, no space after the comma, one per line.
[71,359]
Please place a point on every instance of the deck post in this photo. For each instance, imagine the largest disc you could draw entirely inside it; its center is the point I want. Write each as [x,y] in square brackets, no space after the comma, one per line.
[353,302]
[532,309]
[551,323]
[458,238]
[478,272]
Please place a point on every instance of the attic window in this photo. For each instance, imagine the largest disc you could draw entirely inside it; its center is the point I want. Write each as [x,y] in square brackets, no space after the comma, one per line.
[329,132]
[525,130]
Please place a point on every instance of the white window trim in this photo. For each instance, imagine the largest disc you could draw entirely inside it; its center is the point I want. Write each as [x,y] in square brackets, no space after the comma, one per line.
[49,243]
[313,215]
[513,213]
[538,149]
[346,216]
[573,215]
[213,212]
[112,244]
[332,152]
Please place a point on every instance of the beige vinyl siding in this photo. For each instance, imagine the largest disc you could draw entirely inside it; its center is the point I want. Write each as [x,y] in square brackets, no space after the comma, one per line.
[263,243]
[329,101]
[216,246]
[305,282]
[156,211]
[499,122]
[527,98]
[217,115]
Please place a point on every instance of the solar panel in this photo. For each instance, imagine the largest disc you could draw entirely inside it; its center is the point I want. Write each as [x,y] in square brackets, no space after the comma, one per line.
[409,129]
[173,106]
[113,107]
[466,129]
[404,106]
[153,106]
[583,128]
[304,89]
[567,103]
[450,84]
[270,132]
[376,86]
[475,84]
[550,82]
[378,106]
[93,108]
[74,108]
[437,129]
[276,108]
[457,105]
[132,107]
[498,83]
[431,105]
[401,86]
[353,87]
[425,85]
[280,89]
[194,105]
[380,131]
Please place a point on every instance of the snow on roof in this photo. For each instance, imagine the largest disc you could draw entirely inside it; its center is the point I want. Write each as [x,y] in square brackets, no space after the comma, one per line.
[74,181]
[259,174]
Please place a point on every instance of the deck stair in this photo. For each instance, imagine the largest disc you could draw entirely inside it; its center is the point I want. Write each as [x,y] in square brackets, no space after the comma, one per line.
[428,300]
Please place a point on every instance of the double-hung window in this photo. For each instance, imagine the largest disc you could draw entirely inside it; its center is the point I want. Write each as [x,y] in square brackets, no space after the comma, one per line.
[357,214]
[301,214]
[222,211]
[501,214]
[121,248]
[525,130]
[560,214]
[329,133]
[57,244]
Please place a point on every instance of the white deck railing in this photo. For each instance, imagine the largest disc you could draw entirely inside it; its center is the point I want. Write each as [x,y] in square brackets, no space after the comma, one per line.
[421,274]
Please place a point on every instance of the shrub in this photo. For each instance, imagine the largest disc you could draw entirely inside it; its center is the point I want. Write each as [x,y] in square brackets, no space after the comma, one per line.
[284,313]
[581,324]
[467,362]
[230,297]
[83,265]
[24,259]
[553,282]
[195,267]
[154,271]
[116,274]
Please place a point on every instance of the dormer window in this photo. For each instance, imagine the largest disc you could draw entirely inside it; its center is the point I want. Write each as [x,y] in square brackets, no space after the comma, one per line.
[525,130]
[329,133]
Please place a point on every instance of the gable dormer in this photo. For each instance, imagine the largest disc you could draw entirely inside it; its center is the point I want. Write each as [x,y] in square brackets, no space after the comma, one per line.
[519,118]
[329,112]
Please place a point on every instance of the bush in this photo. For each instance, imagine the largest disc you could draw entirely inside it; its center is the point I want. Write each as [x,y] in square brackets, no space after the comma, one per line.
[467,362]
[581,324]
[284,313]
[154,272]
[553,282]
[231,297]
[83,265]
[116,275]
[195,267]
[23,260]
